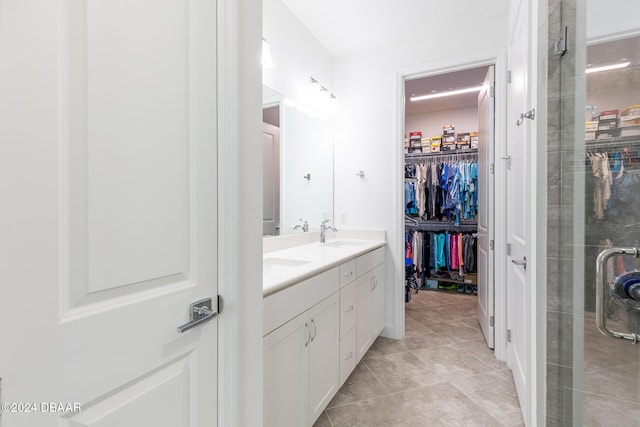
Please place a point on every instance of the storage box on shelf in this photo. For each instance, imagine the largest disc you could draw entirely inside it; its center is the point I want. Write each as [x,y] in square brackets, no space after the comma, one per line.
[436,143]
[448,143]
[463,141]
[415,142]
[630,121]
[608,125]
[474,140]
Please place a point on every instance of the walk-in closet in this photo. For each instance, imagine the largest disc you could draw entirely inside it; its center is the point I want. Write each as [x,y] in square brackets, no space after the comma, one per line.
[445,158]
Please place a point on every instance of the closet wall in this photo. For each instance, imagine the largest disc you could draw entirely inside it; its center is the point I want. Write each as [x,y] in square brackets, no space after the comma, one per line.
[368,126]
[464,119]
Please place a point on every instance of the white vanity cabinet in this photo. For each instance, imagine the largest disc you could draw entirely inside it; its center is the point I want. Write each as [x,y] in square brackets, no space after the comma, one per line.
[301,356]
[315,331]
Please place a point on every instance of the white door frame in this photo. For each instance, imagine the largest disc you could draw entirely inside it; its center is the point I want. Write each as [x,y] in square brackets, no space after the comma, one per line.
[239,228]
[498,58]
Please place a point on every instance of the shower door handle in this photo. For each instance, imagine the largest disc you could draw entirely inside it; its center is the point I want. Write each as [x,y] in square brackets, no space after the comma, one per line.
[601,292]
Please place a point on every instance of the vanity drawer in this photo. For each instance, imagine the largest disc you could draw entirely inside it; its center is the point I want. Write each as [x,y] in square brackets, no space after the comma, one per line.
[286,304]
[347,356]
[369,260]
[347,308]
[347,272]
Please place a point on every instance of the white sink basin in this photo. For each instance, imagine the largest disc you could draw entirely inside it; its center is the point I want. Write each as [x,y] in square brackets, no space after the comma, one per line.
[283,262]
[343,243]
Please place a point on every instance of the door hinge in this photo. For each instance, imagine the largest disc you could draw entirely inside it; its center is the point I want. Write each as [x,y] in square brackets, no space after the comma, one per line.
[508,248]
[509,76]
[492,92]
[491,244]
[560,43]
[491,321]
[492,168]
[220,305]
[508,335]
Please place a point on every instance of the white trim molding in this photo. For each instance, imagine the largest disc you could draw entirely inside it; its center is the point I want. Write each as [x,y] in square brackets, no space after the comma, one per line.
[239,229]
[477,59]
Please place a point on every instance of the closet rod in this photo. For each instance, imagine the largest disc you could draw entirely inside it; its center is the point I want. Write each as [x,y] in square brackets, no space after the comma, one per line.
[453,156]
[443,153]
[439,226]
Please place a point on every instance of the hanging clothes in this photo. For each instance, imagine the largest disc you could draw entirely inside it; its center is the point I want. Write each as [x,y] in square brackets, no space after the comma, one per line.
[442,190]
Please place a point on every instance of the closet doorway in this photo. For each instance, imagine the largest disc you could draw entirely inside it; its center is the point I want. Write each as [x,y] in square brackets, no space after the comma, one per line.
[449,148]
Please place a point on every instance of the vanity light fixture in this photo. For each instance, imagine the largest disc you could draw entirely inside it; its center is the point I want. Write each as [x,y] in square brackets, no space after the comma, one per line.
[319,102]
[267,61]
[447,93]
[607,67]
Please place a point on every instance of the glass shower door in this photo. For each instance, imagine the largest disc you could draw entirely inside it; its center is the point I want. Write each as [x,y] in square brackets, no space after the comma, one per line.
[593,291]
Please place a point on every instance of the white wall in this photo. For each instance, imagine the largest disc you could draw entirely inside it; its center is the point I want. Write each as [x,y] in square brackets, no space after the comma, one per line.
[368,135]
[297,55]
[464,120]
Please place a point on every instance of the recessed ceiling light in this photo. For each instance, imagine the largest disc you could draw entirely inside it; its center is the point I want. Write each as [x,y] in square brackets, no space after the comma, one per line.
[607,67]
[443,94]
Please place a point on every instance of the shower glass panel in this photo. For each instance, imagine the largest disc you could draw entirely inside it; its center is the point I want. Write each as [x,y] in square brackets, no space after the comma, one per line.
[593,265]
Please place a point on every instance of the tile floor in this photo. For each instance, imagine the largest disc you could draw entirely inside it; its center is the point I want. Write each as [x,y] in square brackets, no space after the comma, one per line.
[440,374]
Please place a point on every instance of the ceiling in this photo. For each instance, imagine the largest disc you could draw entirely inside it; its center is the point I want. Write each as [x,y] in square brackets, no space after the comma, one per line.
[614,51]
[444,82]
[348,26]
[345,27]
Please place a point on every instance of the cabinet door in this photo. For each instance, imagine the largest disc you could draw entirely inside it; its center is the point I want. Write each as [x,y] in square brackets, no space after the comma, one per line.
[324,355]
[286,380]
[364,285]
[378,306]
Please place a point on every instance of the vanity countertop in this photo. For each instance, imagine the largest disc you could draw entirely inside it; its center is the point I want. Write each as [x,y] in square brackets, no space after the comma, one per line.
[286,266]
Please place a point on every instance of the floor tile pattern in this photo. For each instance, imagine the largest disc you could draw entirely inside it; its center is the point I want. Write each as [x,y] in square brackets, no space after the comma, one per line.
[440,374]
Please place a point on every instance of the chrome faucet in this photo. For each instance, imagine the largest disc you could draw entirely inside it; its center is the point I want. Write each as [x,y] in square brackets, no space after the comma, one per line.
[304,226]
[323,230]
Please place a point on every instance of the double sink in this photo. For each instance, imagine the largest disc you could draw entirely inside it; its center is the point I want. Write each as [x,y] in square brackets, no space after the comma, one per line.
[282,268]
[280,262]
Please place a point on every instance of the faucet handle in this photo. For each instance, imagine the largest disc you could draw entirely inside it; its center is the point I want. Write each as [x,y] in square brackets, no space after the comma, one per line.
[326,221]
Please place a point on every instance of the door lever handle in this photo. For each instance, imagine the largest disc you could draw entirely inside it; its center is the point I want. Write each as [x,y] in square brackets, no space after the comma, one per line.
[522,262]
[200,313]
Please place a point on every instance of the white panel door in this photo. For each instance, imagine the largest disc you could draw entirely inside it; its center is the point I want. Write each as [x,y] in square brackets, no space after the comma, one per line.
[324,353]
[518,207]
[486,285]
[286,374]
[271,179]
[109,185]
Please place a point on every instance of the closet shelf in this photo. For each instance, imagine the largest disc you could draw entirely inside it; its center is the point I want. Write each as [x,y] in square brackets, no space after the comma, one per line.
[620,141]
[442,279]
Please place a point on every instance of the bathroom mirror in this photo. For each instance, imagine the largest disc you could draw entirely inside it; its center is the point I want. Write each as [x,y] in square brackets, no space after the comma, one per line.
[298,167]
